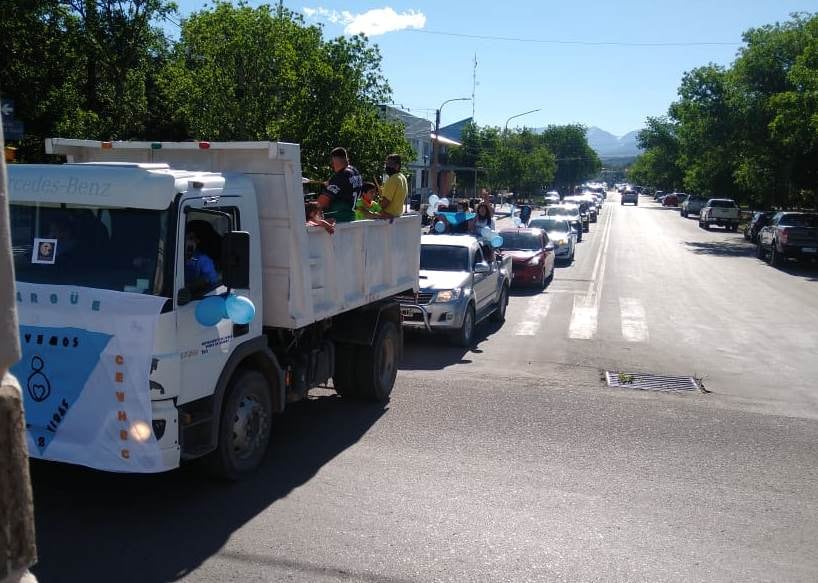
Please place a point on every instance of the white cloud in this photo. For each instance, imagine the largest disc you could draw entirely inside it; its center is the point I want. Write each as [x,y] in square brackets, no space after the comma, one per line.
[373,22]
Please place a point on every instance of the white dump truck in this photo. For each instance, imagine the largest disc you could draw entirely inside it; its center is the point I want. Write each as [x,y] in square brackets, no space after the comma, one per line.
[172,301]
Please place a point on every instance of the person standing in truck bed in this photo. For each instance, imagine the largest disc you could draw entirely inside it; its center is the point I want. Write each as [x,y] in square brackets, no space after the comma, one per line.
[395,188]
[339,196]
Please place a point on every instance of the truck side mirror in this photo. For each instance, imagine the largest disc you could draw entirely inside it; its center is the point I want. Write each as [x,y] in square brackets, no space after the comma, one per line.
[236,259]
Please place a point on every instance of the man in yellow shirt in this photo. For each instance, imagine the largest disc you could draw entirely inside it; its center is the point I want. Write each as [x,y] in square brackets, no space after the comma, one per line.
[395,188]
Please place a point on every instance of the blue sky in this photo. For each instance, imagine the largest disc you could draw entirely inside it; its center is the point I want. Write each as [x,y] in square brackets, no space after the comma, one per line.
[610,86]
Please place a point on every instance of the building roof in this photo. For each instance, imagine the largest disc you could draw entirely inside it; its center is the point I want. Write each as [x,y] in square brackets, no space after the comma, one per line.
[454,131]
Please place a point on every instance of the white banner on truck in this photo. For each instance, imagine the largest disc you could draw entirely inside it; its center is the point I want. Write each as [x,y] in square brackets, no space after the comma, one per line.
[85,375]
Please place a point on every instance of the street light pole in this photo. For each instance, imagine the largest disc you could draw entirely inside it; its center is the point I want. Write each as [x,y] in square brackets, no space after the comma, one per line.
[519,115]
[435,146]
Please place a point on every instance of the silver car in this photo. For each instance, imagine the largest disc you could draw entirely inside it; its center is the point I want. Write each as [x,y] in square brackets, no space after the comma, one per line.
[560,233]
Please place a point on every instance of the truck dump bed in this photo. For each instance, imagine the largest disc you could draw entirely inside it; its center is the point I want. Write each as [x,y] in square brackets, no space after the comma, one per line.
[308,275]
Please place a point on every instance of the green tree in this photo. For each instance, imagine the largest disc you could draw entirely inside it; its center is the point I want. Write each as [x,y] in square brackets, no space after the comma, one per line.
[576,160]
[244,73]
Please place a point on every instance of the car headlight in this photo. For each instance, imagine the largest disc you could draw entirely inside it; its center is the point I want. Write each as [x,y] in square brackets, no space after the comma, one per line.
[448,295]
[562,242]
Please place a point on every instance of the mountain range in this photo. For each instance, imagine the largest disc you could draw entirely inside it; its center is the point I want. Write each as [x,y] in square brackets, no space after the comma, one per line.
[608,145]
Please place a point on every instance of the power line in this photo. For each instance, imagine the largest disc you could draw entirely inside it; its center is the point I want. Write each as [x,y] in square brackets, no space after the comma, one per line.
[574,42]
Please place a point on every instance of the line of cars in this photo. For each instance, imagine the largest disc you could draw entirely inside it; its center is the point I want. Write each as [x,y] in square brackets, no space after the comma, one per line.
[778,235]
[465,280]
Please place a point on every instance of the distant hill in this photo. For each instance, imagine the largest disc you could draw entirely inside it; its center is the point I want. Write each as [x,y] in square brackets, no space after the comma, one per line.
[608,145]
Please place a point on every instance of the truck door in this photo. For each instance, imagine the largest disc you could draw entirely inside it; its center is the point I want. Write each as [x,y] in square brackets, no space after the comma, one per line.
[203,350]
[484,283]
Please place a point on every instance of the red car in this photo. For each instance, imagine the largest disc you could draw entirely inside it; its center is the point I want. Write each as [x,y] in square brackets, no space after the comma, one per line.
[532,256]
[670,200]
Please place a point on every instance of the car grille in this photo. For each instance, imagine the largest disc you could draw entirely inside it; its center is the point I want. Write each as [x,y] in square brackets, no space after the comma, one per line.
[418,298]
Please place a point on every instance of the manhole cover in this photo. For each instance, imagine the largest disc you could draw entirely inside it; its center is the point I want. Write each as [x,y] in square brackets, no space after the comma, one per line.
[650,382]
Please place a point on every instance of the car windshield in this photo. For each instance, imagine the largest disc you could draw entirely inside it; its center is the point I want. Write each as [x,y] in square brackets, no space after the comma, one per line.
[120,249]
[444,258]
[516,241]
[550,225]
[799,221]
[720,203]
[561,212]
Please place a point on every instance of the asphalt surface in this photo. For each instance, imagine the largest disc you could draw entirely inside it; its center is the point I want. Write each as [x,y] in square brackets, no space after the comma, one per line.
[513,461]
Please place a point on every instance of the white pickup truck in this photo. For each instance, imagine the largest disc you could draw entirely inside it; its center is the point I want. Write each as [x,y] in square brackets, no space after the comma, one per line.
[462,282]
[121,230]
[723,212]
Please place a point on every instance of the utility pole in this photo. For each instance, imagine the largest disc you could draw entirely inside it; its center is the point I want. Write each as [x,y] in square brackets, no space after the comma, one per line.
[436,147]
[519,115]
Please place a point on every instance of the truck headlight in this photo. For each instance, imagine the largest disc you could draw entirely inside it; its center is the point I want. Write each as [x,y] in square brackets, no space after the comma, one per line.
[448,295]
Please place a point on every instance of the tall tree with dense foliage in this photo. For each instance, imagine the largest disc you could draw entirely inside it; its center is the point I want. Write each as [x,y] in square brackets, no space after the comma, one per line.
[576,160]
[244,73]
[658,165]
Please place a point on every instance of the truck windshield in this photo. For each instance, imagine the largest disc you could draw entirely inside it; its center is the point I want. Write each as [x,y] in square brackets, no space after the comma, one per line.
[720,203]
[561,212]
[444,258]
[120,249]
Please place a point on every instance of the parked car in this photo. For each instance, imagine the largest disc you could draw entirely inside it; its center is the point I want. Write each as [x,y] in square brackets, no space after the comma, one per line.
[560,233]
[723,212]
[462,281]
[658,195]
[692,205]
[569,213]
[759,220]
[532,256]
[630,196]
[671,199]
[789,235]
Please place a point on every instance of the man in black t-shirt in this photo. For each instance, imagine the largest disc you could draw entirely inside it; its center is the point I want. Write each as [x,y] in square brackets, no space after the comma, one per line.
[343,189]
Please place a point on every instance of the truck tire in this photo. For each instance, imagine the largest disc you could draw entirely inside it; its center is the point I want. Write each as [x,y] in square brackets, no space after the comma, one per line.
[343,379]
[499,315]
[376,367]
[244,427]
[463,337]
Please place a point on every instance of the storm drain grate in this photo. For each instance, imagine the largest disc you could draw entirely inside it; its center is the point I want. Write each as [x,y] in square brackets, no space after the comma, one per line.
[650,382]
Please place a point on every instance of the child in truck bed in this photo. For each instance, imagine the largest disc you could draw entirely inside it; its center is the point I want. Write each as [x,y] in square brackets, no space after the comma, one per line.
[315,217]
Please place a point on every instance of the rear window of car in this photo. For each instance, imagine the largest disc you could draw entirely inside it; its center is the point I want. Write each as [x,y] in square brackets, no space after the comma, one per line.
[722,203]
[799,221]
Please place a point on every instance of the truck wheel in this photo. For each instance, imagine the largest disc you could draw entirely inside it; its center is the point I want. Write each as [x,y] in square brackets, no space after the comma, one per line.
[343,379]
[463,337]
[499,314]
[377,367]
[244,427]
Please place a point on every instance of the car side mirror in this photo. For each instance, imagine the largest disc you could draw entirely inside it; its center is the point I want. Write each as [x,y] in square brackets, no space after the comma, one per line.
[549,246]
[482,267]
[236,259]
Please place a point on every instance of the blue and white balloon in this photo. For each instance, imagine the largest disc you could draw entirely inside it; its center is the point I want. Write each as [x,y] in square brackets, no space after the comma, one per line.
[240,309]
[440,227]
[211,310]
[497,241]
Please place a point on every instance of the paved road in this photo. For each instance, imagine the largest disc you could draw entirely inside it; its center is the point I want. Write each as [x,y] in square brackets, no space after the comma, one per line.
[511,461]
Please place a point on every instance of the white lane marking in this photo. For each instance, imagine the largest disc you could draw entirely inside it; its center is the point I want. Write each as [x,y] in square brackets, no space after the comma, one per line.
[634,320]
[585,314]
[597,262]
[583,318]
[535,313]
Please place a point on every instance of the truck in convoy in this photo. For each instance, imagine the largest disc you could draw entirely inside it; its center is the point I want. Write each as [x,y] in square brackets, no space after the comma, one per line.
[723,212]
[135,220]
[462,282]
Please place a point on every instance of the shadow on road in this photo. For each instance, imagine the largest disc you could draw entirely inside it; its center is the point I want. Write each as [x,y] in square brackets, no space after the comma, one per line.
[95,526]
[435,351]
[804,270]
[728,248]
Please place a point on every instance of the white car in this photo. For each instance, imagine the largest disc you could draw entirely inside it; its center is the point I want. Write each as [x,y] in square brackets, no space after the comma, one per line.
[560,233]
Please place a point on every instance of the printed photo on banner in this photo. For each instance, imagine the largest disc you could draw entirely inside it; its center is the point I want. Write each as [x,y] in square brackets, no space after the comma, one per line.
[45,251]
